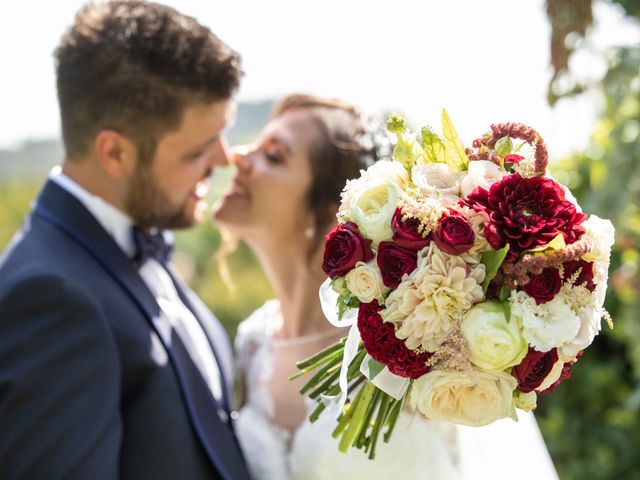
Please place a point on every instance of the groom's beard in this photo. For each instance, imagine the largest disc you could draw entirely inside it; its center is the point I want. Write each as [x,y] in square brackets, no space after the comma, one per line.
[149,206]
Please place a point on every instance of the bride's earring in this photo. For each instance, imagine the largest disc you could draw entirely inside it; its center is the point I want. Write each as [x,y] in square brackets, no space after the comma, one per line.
[310,232]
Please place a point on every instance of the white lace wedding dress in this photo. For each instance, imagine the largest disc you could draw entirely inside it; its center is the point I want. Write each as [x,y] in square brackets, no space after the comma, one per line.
[418,449]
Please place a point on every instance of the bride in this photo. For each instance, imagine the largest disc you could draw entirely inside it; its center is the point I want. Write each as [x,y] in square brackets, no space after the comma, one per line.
[283,202]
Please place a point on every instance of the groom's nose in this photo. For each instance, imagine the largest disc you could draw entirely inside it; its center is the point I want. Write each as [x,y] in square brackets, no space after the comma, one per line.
[221,155]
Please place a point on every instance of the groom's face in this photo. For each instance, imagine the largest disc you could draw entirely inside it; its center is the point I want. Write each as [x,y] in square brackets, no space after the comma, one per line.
[170,190]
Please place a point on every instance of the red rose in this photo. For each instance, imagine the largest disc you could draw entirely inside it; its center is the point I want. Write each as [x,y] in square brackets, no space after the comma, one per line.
[545,286]
[513,158]
[454,234]
[406,233]
[526,213]
[394,261]
[566,373]
[380,341]
[534,368]
[344,248]
[585,277]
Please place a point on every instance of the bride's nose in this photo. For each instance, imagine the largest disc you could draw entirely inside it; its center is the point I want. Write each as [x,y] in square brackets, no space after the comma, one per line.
[240,156]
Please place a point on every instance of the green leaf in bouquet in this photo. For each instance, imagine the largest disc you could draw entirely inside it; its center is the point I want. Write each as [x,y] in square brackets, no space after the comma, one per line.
[557,243]
[504,294]
[504,146]
[346,302]
[375,368]
[492,261]
[454,154]
[432,145]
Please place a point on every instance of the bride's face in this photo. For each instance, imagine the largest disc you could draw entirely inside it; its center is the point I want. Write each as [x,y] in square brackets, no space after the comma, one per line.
[268,197]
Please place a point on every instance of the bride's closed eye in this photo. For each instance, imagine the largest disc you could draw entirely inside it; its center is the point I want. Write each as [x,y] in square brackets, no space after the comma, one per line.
[273,157]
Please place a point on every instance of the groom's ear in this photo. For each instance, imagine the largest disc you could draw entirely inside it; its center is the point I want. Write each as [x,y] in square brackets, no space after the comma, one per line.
[115,153]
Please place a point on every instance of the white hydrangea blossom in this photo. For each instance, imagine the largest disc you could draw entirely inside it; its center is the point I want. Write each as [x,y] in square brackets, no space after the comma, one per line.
[548,325]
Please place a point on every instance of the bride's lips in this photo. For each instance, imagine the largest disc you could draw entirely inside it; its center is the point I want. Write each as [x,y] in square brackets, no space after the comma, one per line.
[238,190]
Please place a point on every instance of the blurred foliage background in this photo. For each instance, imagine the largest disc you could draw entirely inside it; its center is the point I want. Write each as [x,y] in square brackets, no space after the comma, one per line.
[591,423]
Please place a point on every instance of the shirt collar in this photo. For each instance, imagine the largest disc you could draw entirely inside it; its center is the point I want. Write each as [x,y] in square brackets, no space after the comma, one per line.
[115,222]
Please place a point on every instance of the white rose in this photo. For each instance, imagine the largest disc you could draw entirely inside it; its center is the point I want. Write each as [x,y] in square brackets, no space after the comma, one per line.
[372,209]
[495,342]
[547,325]
[481,173]
[385,170]
[527,401]
[437,180]
[389,170]
[590,321]
[603,235]
[365,282]
[475,398]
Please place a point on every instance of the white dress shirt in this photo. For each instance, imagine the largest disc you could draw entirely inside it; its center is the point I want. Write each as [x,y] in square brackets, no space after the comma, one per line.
[119,225]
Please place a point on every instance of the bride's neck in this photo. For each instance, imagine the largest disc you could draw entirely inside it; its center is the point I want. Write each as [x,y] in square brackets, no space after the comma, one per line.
[295,279]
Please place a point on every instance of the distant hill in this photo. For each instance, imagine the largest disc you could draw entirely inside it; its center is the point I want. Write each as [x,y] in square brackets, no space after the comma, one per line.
[34,158]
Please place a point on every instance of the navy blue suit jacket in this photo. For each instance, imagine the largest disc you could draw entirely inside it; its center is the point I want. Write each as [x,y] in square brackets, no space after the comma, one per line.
[93,384]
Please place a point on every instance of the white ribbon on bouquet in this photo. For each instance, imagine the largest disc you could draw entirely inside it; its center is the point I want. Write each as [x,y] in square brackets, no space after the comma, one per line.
[386,381]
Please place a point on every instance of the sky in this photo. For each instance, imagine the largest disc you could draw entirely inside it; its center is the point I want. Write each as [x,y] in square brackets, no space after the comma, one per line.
[485,62]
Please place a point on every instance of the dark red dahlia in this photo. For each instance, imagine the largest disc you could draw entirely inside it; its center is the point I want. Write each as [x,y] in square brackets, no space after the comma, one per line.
[381,343]
[526,213]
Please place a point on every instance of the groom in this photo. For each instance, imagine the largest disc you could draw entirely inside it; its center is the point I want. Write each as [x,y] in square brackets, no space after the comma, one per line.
[110,367]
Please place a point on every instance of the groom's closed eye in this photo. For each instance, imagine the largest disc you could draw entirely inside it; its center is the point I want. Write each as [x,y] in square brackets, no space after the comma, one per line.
[201,149]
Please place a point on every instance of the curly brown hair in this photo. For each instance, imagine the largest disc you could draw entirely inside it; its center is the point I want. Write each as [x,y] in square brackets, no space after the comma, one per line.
[134,67]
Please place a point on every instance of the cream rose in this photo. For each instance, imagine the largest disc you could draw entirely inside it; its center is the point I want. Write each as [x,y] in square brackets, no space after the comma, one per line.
[365,282]
[437,180]
[472,398]
[495,342]
[527,401]
[372,209]
[481,173]
[552,376]
[391,171]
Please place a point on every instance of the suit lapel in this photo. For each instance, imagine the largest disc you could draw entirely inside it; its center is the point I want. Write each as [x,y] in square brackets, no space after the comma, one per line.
[64,211]
[214,332]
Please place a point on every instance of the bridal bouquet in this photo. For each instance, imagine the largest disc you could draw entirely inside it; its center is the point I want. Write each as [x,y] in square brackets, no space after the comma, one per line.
[471,280]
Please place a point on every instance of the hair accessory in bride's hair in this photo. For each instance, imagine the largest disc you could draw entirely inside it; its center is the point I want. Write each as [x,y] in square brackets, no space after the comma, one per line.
[375,141]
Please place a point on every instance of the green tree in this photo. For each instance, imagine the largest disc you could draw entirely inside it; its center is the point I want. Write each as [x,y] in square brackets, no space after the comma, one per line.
[592,422]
